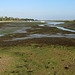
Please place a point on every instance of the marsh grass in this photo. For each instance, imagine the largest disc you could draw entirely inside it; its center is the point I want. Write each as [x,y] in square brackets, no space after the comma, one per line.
[69,25]
[37,56]
[34,60]
[9,30]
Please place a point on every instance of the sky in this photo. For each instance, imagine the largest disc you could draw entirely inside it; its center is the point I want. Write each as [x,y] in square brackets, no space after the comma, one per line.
[39,9]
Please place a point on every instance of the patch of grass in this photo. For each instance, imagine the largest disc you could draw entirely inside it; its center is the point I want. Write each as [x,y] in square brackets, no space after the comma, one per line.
[47,30]
[37,56]
[34,60]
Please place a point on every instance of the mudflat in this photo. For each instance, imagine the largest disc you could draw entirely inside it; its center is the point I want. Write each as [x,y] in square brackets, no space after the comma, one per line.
[36,48]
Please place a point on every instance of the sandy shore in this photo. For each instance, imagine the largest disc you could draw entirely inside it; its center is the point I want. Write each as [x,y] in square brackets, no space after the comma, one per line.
[8,21]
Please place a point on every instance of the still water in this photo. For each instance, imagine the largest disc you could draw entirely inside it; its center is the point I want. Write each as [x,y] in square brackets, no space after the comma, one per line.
[47,23]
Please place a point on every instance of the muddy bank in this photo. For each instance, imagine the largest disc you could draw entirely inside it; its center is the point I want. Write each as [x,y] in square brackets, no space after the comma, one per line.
[48,30]
[42,41]
[69,25]
[14,34]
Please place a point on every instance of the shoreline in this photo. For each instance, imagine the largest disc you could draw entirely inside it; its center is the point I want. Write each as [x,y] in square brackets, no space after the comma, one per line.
[8,21]
[68,25]
[15,21]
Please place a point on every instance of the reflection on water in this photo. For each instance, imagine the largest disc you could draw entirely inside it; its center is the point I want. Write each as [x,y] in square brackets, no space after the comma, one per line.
[29,21]
[53,24]
[62,28]
[1,35]
[20,31]
[44,35]
[23,30]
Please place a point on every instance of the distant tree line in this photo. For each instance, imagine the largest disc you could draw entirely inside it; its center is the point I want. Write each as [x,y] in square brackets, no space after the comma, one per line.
[14,19]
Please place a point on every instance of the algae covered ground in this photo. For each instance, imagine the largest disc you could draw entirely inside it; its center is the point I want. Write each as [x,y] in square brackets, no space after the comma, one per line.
[23,54]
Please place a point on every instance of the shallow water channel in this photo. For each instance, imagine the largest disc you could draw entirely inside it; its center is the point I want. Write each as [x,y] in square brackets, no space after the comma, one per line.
[54,24]
[37,35]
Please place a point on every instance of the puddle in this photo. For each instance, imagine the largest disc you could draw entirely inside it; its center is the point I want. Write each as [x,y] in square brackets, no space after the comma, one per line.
[23,30]
[45,35]
[41,25]
[20,31]
[1,35]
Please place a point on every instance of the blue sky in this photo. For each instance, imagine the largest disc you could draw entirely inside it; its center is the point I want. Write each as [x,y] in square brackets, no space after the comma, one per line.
[39,9]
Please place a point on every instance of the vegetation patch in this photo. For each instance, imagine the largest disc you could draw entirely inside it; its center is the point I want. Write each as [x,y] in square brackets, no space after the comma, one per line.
[32,60]
[68,24]
[36,56]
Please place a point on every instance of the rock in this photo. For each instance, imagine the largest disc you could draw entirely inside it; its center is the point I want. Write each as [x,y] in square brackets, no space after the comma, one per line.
[0,57]
[62,60]
[48,62]
[66,68]
[47,67]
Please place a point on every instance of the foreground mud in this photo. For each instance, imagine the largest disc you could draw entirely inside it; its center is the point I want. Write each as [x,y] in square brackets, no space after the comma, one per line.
[42,41]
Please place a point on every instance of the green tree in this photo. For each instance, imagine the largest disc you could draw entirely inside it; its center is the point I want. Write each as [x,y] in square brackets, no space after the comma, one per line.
[1,18]
[6,17]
